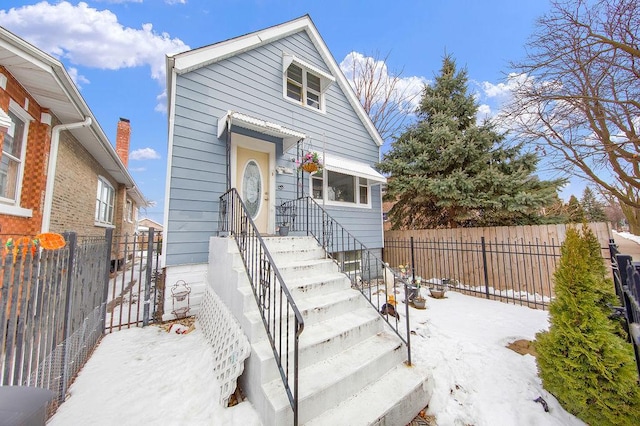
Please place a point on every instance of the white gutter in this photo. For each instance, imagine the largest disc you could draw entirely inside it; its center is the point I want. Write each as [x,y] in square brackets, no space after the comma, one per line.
[51,170]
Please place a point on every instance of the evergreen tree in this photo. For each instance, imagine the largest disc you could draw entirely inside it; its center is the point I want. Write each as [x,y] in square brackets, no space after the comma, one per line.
[581,360]
[448,171]
[575,210]
[593,209]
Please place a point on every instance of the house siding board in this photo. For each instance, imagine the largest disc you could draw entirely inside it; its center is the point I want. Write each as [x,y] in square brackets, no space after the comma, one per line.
[252,83]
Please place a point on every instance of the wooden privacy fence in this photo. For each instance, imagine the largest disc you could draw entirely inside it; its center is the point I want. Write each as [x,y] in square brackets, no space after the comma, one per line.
[513,263]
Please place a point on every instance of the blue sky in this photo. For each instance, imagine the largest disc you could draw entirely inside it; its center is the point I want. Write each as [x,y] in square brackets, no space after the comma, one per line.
[115,50]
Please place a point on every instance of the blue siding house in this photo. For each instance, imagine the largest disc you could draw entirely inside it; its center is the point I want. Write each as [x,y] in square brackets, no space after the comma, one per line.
[325,348]
[248,108]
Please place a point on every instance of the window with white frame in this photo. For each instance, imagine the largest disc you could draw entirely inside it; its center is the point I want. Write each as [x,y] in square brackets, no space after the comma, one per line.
[304,87]
[305,83]
[12,160]
[334,187]
[105,198]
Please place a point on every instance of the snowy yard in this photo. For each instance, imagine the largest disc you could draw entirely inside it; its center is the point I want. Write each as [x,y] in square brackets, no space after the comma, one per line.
[147,376]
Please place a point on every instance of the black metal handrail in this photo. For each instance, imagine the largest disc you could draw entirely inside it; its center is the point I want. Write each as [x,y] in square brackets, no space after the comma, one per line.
[367,272]
[272,295]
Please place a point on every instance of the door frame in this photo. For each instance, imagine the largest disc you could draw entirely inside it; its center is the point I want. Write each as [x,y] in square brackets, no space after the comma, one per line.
[248,142]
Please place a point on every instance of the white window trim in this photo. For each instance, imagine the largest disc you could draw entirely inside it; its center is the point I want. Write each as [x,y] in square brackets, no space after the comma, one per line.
[327,202]
[325,81]
[12,207]
[101,223]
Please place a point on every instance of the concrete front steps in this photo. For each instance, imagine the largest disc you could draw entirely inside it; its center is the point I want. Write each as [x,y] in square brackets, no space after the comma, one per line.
[352,368]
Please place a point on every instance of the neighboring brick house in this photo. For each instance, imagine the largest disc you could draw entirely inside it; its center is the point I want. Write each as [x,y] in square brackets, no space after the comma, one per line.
[58,170]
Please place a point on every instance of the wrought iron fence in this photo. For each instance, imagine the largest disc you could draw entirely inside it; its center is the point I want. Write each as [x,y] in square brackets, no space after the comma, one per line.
[514,272]
[136,284]
[280,315]
[366,270]
[626,277]
[53,303]
[51,310]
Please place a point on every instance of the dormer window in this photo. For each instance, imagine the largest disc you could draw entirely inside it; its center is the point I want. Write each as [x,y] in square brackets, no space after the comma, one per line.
[304,83]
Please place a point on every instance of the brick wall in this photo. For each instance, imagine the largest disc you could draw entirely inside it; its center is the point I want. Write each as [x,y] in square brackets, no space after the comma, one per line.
[36,156]
[74,192]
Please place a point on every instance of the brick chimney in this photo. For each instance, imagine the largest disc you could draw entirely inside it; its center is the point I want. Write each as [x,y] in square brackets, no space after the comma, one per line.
[122,140]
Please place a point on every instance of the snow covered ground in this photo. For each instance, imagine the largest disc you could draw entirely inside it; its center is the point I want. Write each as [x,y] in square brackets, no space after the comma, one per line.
[147,376]
[629,236]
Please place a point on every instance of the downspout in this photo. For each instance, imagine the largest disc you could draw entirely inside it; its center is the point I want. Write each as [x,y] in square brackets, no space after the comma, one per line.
[51,170]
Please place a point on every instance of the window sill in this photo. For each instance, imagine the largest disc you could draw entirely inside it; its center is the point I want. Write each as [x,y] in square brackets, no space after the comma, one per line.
[104,225]
[15,211]
[343,204]
[307,107]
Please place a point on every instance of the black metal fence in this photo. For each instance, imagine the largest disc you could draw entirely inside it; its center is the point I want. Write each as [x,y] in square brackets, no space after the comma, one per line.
[135,290]
[53,303]
[519,273]
[282,320]
[626,277]
[51,310]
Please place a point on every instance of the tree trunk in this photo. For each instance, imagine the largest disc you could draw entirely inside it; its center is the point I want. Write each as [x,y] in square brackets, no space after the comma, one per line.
[633,218]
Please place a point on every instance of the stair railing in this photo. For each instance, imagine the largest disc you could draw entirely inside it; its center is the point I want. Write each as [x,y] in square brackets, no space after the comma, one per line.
[375,280]
[280,315]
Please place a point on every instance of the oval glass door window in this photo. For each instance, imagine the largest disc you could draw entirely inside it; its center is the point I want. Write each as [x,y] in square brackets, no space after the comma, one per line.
[252,188]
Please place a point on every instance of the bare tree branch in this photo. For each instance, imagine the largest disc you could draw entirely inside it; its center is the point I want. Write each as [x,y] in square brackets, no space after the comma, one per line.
[578,94]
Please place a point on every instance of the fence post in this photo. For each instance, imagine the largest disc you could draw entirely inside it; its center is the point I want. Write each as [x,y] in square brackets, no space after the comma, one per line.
[624,267]
[413,263]
[147,286]
[72,241]
[484,266]
[108,236]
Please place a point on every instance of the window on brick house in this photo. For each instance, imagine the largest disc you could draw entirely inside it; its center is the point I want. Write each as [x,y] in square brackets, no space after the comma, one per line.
[105,198]
[129,211]
[12,160]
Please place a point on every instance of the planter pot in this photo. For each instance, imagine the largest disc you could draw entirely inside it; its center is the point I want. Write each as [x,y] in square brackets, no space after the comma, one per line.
[420,303]
[437,294]
[283,231]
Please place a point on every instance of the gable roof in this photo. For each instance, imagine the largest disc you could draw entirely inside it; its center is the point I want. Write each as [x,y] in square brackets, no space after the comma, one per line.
[48,82]
[184,62]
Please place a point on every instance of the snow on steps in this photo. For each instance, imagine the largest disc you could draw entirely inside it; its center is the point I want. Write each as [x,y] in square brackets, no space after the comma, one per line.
[351,367]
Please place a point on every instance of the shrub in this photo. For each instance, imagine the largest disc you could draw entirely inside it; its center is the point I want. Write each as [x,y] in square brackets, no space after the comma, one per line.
[581,360]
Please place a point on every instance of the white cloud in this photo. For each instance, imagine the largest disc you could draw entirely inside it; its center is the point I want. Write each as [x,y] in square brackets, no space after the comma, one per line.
[138,169]
[78,79]
[484,110]
[89,37]
[144,154]
[161,99]
[172,2]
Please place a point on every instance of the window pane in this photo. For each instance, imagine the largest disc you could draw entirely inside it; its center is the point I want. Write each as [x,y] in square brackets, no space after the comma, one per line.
[12,144]
[364,195]
[294,73]
[9,171]
[294,92]
[313,100]
[317,187]
[340,187]
[313,82]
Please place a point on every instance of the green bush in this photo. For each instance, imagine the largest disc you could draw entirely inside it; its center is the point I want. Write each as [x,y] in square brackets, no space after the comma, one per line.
[582,361]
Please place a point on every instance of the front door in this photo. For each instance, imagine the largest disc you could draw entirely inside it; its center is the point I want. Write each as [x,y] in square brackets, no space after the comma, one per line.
[252,182]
